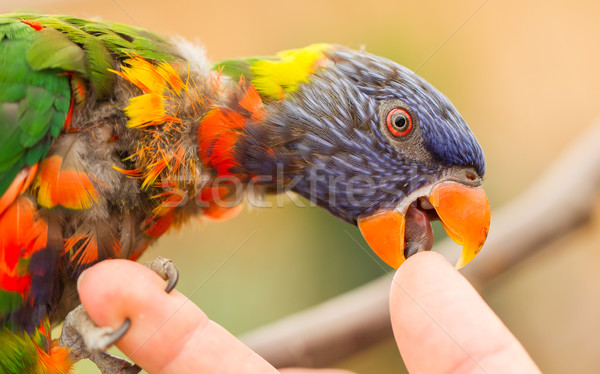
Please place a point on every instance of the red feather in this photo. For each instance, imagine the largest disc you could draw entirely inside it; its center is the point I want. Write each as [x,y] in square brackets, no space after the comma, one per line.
[222,128]
[155,228]
[217,135]
[36,25]
[22,233]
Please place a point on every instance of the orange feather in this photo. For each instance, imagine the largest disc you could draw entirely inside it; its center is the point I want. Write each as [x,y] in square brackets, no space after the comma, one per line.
[59,185]
[18,186]
[252,102]
[56,361]
[91,244]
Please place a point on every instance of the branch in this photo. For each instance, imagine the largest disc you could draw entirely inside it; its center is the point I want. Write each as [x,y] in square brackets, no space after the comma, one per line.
[556,203]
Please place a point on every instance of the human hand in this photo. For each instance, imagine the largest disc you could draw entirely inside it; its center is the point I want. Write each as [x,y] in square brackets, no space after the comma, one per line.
[440,322]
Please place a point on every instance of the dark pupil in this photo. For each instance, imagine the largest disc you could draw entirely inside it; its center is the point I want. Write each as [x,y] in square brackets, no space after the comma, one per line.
[400,121]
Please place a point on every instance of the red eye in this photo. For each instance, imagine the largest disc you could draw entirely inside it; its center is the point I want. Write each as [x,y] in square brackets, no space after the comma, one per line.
[399,122]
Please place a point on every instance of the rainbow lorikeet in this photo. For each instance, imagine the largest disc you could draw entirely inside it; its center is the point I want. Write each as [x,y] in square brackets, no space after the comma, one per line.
[111,135]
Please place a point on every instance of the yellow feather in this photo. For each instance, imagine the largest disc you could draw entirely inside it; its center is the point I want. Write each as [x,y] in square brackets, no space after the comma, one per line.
[149,109]
[143,74]
[146,110]
[275,78]
[166,71]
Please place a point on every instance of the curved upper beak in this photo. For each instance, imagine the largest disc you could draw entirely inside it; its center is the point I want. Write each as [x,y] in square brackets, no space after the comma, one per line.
[464,212]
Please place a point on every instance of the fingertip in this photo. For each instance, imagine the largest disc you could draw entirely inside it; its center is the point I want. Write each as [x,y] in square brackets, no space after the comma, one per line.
[423,265]
[114,283]
[436,311]
[423,272]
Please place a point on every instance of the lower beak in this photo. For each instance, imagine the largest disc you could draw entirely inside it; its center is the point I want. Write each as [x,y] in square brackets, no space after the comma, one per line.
[463,210]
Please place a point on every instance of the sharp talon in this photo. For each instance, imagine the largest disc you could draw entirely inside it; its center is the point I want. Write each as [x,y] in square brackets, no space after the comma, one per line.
[166,270]
[172,276]
[115,336]
[84,339]
[133,369]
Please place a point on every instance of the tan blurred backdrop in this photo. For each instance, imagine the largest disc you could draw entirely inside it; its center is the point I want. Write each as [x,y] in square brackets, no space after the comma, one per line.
[526,77]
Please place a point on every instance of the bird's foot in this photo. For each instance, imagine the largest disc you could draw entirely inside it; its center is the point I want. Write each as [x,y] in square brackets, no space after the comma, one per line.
[86,340]
[166,270]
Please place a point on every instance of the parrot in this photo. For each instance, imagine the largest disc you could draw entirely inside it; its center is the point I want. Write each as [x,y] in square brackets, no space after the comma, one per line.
[112,135]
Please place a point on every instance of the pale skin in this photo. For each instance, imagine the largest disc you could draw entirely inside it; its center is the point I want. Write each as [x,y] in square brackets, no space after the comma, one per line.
[440,322]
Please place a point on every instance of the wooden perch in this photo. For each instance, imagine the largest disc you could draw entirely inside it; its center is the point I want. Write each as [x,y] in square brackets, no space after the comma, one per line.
[558,201]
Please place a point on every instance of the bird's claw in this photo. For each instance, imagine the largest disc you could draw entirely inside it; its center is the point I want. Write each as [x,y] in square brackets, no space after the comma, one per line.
[166,270]
[109,337]
[86,340]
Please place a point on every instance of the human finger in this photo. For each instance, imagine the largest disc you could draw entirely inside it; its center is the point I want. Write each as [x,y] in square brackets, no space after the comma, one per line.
[168,333]
[442,325]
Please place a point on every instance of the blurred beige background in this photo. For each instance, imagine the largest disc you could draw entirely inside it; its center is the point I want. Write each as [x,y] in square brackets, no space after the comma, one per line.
[526,77]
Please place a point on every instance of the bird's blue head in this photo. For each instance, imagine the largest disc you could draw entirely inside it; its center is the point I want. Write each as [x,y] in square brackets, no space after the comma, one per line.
[443,132]
[370,141]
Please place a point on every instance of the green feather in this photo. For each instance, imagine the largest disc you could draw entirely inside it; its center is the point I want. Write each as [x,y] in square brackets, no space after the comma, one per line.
[38,152]
[237,68]
[14,30]
[56,123]
[99,63]
[39,99]
[34,126]
[33,103]
[14,92]
[62,103]
[100,44]
[98,58]
[18,354]
[115,43]
[8,301]
[51,49]
[66,28]
[12,151]
[233,68]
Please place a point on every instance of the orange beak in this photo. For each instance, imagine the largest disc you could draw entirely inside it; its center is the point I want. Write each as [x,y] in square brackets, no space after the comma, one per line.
[464,212]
